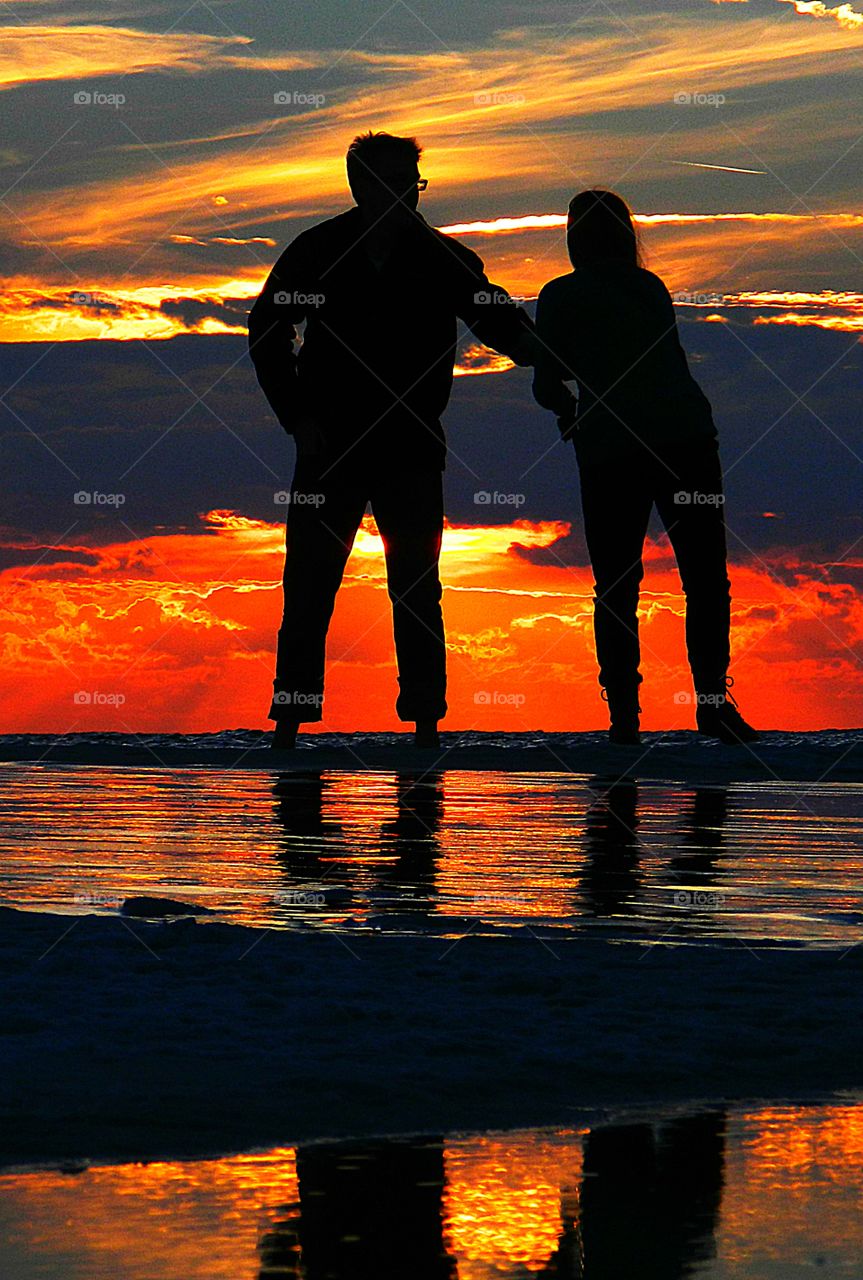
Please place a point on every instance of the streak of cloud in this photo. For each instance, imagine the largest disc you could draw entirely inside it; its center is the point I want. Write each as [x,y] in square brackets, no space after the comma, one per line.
[725,168]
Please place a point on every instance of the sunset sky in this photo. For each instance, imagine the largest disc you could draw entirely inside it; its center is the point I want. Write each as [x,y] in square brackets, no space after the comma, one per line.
[154,164]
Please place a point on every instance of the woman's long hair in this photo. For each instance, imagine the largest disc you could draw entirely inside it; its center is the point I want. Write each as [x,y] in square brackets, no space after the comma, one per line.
[600,226]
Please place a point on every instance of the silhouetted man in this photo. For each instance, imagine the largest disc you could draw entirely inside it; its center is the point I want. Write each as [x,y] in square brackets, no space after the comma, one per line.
[368,1210]
[651,1197]
[380,291]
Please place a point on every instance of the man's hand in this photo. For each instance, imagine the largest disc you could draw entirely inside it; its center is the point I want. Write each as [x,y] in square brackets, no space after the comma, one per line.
[527,350]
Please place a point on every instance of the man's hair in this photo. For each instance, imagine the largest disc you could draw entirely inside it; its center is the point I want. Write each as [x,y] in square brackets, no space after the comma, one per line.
[370,150]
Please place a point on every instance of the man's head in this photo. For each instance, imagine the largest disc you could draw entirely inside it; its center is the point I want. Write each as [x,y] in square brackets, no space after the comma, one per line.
[383,174]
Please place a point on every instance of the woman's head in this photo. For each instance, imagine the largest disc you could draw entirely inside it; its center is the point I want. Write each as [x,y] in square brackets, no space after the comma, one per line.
[600,226]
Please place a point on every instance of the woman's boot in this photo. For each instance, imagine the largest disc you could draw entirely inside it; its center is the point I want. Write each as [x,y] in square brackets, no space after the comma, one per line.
[717,716]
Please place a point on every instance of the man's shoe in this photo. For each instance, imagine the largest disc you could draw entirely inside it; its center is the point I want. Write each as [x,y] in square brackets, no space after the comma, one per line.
[625,733]
[426,734]
[721,719]
[624,711]
[285,735]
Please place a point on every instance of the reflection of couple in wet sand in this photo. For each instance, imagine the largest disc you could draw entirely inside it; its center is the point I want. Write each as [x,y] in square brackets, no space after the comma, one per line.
[610,880]
[381,291]
[647,1205]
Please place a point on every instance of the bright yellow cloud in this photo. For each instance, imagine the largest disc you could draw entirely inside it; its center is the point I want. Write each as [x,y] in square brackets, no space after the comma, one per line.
[30,53]
[492,113]
[842,13]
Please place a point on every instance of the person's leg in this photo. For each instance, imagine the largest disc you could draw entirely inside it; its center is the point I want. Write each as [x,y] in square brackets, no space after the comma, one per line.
[408,508]
[323,517]
[616,503]
[690,502]
[691,505]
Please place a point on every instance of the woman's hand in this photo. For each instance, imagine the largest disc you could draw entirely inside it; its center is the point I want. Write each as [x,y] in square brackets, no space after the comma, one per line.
[567,423]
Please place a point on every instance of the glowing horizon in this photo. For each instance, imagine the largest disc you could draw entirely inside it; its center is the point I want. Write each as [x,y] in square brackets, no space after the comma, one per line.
[161,622]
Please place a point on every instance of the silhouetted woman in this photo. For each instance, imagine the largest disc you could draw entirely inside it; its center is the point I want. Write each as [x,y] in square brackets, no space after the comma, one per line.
[644,434]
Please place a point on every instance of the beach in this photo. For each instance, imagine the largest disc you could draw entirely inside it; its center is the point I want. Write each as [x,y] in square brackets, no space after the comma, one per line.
[213,953]
[180,1040]
[388,949]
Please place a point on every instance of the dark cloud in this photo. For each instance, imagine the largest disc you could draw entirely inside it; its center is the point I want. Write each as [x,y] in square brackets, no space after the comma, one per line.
[13,556]
[180,427]
[90,303]
[192,312]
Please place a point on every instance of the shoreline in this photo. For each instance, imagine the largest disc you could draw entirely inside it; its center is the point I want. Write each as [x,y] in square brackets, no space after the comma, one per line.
[587,1118]
[682,756]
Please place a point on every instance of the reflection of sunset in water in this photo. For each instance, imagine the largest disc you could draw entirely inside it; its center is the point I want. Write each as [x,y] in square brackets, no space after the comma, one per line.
[508,1199]
[508,1204]
[155,1221]
[796,1174]
[444,853]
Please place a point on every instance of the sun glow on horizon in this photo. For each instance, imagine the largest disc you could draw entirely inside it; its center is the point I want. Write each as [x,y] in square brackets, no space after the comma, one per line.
[183,626]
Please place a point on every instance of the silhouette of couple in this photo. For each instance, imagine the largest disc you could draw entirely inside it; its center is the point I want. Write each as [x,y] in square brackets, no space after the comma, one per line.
[381,291]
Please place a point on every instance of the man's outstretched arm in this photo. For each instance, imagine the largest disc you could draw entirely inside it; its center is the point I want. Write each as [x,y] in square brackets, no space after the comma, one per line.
[490,313]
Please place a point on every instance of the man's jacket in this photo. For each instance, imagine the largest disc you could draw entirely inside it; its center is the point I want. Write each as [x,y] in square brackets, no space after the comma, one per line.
[375,366]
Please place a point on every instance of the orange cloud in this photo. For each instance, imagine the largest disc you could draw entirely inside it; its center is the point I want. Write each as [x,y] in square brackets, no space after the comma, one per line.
[535,222]
[842,13]
[830,309]
[845,324]
[479,359]
[31,53]
[495,113]
[689,251]
[267,240]
[31,313]
[178,633]
[732,253]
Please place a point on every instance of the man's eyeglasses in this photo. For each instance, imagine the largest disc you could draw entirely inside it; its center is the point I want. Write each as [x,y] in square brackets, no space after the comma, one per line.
[403,185]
